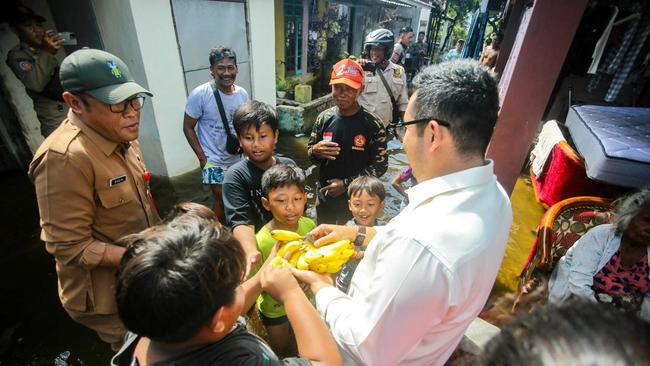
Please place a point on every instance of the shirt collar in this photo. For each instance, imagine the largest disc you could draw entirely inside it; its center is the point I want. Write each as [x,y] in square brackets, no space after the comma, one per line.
[436,186]
[105,145]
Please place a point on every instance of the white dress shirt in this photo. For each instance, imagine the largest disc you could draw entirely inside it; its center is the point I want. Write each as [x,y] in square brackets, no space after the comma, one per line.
[425,276]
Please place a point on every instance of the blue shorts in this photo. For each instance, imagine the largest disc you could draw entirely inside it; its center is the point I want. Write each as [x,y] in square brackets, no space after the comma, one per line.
[213,173]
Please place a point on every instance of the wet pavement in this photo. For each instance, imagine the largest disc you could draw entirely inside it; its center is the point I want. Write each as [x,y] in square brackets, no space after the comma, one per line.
[37,331]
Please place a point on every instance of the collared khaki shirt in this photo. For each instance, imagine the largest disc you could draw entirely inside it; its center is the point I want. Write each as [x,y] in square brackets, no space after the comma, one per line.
[91,192]
[375,97]
[35,69]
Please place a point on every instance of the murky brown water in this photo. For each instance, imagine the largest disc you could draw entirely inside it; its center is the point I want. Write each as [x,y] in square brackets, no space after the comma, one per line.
[36,330]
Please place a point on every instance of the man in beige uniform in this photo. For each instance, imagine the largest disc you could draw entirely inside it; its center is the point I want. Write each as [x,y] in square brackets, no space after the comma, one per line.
[91,186]
[34,63]
[375,96]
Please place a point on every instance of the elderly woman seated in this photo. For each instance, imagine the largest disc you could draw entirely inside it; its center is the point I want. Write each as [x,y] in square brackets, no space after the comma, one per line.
[609,264]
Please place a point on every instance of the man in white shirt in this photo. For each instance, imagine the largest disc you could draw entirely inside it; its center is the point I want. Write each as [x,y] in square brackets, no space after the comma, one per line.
[427,274]
[208,140]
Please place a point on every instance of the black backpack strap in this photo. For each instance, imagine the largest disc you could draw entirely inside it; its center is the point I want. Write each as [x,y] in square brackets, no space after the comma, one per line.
[222,111]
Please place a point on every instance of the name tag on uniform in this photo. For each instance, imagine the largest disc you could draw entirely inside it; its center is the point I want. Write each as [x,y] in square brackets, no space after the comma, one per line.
[116,180]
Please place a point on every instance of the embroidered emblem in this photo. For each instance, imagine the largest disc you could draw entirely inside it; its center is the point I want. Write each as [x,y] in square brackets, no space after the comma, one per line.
[397,72]
[359,142]
[25,66]
[114,70]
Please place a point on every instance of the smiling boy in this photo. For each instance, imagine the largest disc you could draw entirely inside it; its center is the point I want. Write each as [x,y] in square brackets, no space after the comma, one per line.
[284,196]
[256,125]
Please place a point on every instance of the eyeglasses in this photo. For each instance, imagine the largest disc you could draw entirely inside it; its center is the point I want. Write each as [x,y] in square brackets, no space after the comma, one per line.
[136,103]
[399,129]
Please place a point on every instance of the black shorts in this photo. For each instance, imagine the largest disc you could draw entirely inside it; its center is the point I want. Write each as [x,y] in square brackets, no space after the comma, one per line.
[273,321]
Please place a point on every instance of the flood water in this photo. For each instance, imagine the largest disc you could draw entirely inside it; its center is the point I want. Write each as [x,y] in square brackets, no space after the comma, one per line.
[37,331]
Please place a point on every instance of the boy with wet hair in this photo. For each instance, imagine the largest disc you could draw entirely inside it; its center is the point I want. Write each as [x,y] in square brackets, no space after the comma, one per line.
[284,196]
[367,199]
[256,125]
[180,292]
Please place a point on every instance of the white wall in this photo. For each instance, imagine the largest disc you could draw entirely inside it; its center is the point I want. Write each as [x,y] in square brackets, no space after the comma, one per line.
[118,33]
[141,32]
[160,55]
[261,22]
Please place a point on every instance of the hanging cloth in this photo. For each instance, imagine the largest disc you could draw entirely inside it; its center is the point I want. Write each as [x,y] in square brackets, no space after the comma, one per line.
[629,61]
[614,57]
[600,46]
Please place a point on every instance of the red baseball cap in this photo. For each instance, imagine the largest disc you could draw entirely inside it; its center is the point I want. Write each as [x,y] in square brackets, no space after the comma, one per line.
[347,72]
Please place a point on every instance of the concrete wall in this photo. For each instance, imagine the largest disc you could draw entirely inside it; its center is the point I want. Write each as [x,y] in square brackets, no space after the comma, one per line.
[117,30]
[142,34]
[261,22]
[160,55]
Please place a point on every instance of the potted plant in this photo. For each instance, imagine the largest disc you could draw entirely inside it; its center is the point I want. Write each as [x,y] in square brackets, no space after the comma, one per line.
[282,86]
[291,85]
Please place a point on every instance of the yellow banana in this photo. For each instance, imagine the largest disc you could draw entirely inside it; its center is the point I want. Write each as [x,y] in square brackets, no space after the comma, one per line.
[312,256]
[289,248]
[339,245]
[302,264]
[285,235]
[278,262]
[320,267]
[333,267]
[293,261]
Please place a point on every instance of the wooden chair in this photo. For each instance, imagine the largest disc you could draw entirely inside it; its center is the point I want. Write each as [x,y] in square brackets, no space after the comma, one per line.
[561,226]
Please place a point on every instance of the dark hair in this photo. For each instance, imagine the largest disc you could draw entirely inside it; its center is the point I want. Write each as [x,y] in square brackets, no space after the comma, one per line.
[219,53]
[254,113]
[173,278]
[461,41]
[578,333]
[280,175]
[422,33]
[464,93]
[405,30]
[369,184]
[191,208]
[628,207]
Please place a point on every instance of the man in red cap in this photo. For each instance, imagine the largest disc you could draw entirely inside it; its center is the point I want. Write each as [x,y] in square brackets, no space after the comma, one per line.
[347,141]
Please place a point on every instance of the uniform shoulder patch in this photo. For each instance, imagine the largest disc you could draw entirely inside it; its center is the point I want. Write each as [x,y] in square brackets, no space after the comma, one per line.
[397,72]
[25,65]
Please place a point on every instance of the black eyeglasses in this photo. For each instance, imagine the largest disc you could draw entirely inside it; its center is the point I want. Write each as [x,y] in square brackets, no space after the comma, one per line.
[399,129]
[136,103]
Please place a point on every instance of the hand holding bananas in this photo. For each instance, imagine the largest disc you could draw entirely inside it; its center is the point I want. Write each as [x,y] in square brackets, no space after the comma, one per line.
[296,252]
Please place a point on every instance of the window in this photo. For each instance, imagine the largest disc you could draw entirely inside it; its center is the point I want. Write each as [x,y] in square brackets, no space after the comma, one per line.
[293,36]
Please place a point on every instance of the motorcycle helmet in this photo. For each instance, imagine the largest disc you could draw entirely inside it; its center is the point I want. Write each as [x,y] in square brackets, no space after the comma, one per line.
[380,37]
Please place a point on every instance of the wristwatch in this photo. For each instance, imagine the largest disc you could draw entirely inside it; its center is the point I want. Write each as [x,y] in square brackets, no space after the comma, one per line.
[361,236]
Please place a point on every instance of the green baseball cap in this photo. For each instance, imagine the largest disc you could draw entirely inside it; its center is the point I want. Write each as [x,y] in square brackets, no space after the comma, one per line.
[100,74]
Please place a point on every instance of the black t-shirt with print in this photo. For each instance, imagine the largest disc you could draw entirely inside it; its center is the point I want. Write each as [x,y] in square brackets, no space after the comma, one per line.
[239,347]
[242,194]
[353,134]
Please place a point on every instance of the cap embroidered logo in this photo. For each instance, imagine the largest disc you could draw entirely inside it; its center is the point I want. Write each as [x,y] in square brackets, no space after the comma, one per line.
[114,70]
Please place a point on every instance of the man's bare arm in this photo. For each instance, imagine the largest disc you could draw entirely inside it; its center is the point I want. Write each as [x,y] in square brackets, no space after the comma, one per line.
[188,129]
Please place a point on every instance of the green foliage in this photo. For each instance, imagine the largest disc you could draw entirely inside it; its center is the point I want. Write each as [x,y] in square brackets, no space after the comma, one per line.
[282,84]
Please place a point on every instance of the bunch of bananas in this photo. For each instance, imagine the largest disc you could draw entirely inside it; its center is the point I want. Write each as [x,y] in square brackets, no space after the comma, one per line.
[296,252]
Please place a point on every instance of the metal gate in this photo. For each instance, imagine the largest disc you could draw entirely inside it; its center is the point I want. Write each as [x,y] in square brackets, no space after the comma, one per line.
[201,25]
